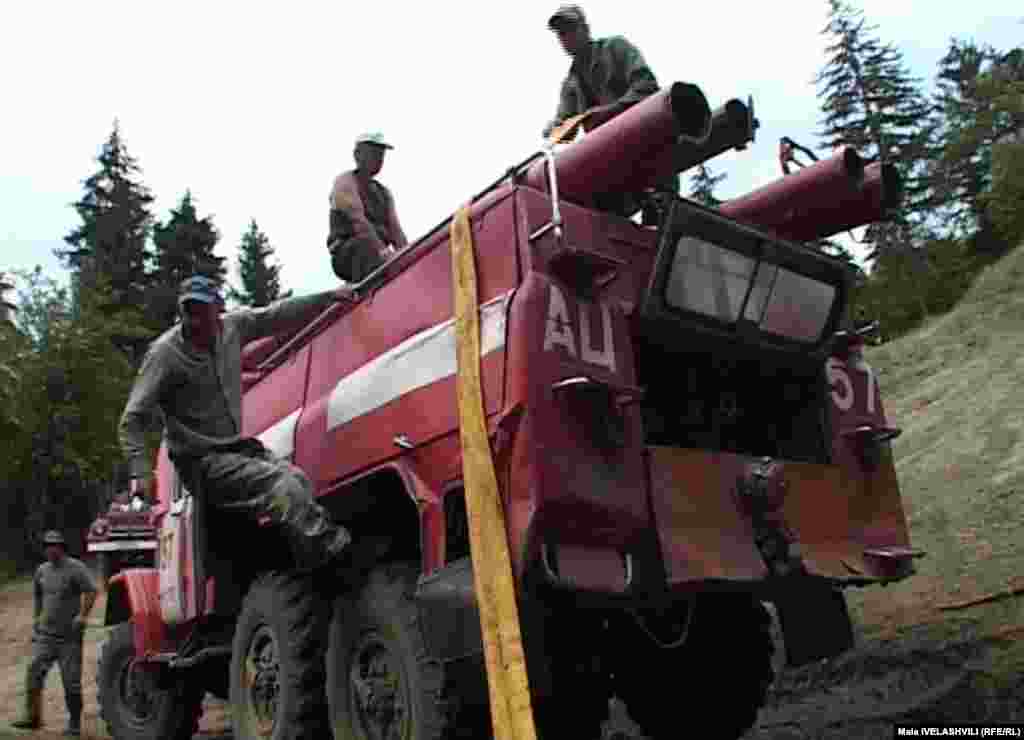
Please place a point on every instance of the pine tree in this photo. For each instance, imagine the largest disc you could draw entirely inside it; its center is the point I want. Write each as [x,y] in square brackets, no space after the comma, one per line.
[183,246]
[6,307]
[72,385]
[702,186]
[10,345]
[979,93]
[261,280]
[871,103]
[116,220]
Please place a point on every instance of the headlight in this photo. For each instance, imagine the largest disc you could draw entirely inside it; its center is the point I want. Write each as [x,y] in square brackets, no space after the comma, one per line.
[100,527]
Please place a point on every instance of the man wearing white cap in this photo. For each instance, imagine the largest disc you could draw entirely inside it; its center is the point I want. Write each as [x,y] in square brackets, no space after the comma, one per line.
[364,225]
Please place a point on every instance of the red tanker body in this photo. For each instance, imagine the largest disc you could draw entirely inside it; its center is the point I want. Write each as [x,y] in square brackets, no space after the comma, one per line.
[682,427]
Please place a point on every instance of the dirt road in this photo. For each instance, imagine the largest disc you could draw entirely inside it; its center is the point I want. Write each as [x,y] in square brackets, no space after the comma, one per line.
[15,653]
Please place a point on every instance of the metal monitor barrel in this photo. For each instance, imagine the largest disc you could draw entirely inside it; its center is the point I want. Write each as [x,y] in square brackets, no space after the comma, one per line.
[674,130]
[826,198]
[626,154]
[733,126]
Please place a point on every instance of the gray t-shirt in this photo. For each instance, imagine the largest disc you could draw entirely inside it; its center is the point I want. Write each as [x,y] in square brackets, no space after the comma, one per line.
[58,594]
[200,393]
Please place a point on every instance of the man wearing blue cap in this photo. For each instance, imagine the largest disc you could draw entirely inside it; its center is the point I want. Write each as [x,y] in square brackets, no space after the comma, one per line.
[192,374]
[364,225]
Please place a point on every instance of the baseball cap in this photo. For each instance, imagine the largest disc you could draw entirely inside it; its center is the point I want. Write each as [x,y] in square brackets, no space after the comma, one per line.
[374,137]
[199,288]
[53,537]
[566,15]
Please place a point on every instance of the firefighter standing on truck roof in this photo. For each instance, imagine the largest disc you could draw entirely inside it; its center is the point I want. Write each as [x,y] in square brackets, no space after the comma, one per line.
[64,592]
[192,373]
[364,225]
[606,77]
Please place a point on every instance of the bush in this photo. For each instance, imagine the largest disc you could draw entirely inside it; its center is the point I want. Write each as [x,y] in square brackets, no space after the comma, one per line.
[903,290]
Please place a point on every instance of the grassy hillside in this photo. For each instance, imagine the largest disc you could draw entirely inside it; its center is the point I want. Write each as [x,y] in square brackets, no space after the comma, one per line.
[955,388]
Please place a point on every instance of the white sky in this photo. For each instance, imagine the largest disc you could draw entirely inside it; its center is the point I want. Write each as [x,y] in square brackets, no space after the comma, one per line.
[255,106]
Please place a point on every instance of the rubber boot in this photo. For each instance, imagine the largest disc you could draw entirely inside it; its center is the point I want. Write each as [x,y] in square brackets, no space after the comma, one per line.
[74,728]
[33,717]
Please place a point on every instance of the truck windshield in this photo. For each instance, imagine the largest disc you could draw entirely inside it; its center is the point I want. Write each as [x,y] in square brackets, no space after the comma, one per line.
[721,283]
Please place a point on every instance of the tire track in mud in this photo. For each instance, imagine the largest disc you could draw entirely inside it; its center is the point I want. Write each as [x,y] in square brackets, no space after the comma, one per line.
[864,693]
[858,696]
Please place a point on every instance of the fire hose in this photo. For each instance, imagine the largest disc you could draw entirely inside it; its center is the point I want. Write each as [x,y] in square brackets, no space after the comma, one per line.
[509,690]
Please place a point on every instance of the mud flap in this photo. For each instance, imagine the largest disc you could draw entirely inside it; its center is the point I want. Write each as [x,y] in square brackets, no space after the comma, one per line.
[449,613]
[815,624]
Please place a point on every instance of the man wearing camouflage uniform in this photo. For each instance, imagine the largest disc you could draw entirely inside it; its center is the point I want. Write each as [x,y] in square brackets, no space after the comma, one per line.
[607,76]
[364,225]
[192,374]
[64,592]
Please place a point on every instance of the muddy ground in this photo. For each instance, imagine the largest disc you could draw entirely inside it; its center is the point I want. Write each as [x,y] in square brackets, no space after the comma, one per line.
[15,652]
[958,667]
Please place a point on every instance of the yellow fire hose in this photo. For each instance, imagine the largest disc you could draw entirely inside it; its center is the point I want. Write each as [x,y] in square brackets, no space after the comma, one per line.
[511,712]
[567,129]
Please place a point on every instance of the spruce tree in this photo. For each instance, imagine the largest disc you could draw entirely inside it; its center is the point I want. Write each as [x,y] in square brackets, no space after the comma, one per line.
[116,220]
[978,93]
[6,307]
[260,280]
[872,104]
[183,246]
[702,186]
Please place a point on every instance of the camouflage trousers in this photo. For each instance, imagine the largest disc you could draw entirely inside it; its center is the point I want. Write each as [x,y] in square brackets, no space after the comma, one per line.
[67,652]
[354,258]
[249,479]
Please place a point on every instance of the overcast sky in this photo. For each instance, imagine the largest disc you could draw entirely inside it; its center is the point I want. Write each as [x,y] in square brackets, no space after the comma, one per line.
[255,106]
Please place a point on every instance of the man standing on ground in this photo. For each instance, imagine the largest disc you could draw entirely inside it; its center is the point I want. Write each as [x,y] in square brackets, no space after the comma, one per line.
[607,76]
[64,591]
[364,225]
[192,373]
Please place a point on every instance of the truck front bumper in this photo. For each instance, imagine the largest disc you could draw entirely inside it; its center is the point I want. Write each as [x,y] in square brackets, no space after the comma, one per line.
[121,545]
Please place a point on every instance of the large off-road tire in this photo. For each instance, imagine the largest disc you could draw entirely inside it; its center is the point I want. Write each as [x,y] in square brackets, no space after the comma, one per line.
[131,702]
[381,683]
[277,661]
[713,684]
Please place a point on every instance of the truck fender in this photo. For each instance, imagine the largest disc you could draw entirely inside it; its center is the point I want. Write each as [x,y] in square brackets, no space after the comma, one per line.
[134,595]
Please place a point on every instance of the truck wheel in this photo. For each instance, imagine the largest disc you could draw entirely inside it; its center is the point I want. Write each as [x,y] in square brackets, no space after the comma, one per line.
[726,661]
[381,683]
[277,668]
[132,703]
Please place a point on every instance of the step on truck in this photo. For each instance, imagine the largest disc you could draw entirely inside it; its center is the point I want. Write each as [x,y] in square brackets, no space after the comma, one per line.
[683,429]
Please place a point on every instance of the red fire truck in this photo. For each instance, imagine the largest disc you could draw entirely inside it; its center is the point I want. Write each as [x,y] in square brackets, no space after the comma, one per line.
[682,425]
